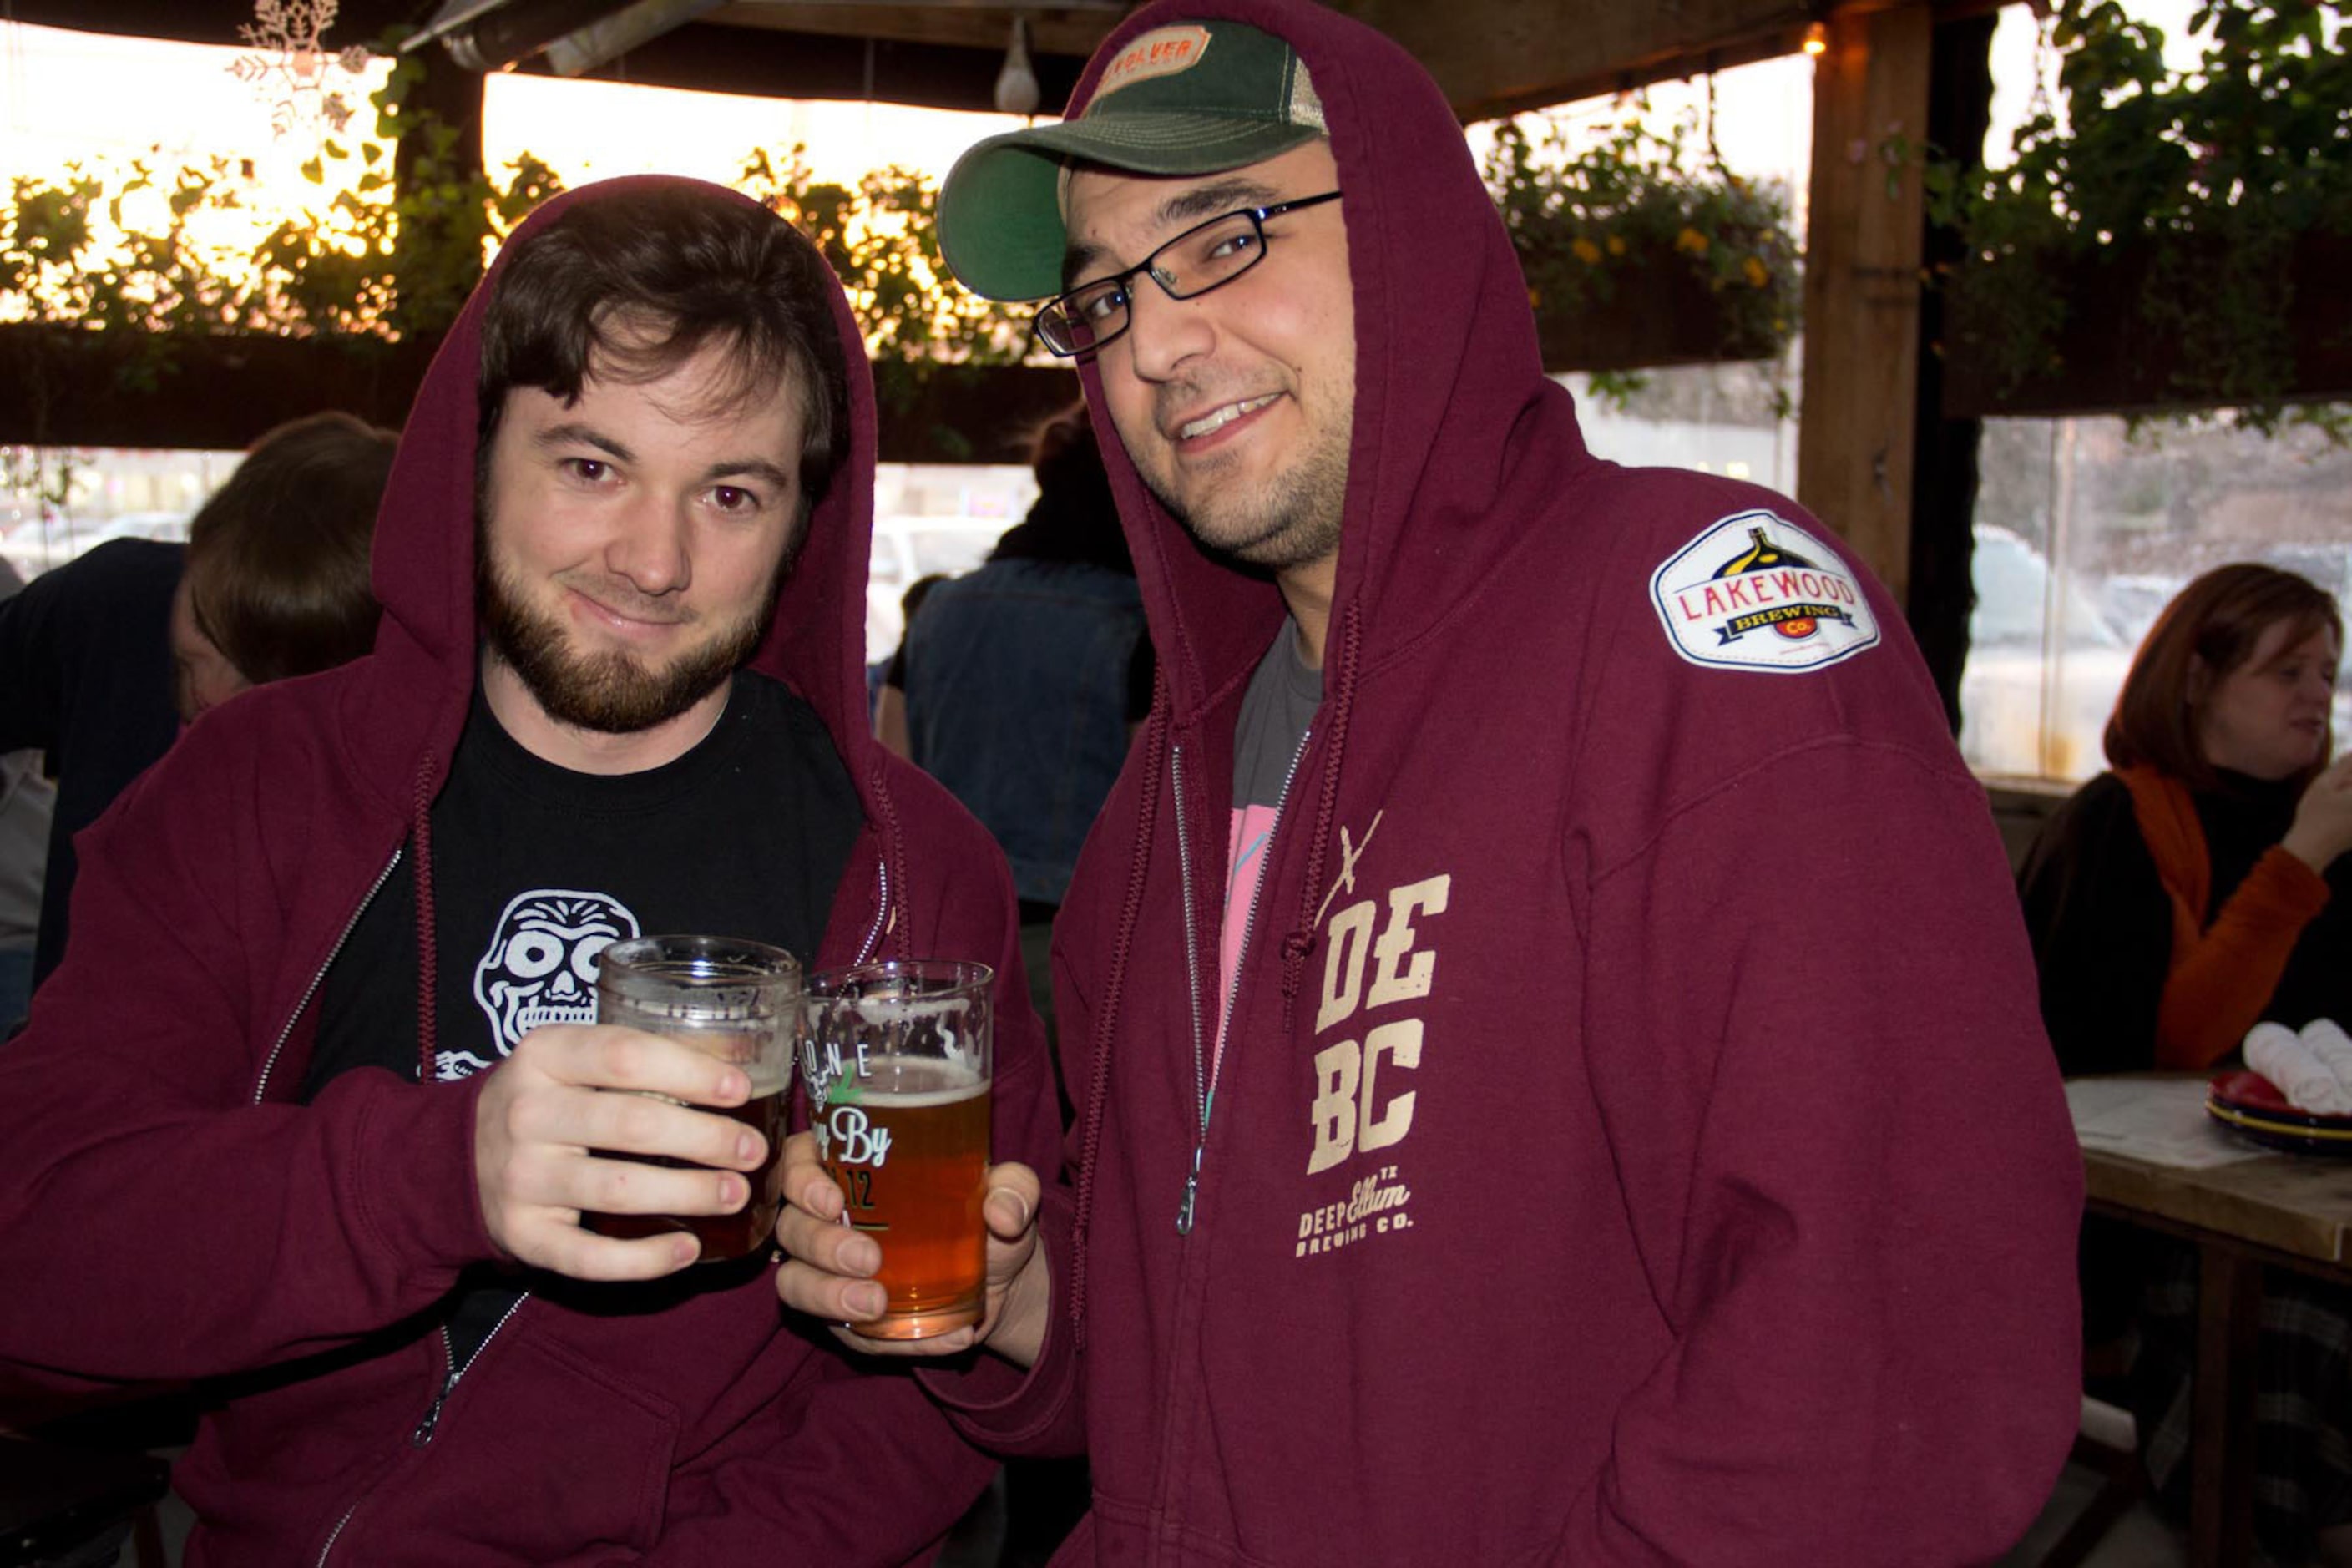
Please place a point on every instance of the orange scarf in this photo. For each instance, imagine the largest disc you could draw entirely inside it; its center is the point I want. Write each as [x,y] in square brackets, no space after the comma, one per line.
[2176,841]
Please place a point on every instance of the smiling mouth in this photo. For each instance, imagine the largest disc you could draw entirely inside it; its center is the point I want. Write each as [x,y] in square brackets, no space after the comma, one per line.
[1209,424]
[637,617]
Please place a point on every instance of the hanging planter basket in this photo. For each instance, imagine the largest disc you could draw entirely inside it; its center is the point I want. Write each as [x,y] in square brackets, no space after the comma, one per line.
[1654,310]
[1639,255]
[2136,328]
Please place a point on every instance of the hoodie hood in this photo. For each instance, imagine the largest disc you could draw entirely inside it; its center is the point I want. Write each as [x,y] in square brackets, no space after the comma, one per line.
[424,552]
[1454,422]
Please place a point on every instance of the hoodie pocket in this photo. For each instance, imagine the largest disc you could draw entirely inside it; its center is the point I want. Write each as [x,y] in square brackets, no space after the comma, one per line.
[541,1457]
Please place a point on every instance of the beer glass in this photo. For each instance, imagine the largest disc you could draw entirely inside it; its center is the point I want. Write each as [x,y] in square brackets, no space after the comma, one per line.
[896,1057]
[731,999]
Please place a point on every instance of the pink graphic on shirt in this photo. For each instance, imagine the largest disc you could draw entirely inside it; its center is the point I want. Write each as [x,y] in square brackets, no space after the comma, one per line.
[1245,840]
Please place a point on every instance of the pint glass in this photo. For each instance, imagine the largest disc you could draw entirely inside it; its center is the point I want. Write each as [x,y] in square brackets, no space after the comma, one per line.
[734,1000]
[896,1057]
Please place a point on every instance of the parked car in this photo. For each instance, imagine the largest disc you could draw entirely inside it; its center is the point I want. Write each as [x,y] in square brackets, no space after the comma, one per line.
[2034,698]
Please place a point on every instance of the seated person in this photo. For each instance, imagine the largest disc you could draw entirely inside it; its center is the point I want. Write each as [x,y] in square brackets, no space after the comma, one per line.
[2195,890]
[104,658]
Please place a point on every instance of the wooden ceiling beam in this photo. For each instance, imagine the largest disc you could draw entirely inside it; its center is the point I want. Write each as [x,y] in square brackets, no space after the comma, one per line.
[1070,30]
[1501,56]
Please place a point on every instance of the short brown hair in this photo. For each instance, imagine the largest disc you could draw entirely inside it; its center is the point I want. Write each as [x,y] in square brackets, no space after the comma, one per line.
[278,559]
[633,283]
[2214,623]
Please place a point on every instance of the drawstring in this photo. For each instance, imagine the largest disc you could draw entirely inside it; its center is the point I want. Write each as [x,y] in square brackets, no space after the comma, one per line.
[1155,756]
[428,965]
[1300,941]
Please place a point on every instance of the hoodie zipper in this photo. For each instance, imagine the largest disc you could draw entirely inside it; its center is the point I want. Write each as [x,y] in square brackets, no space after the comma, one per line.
[881,910]
[422,1435]
[270,1064]
[1205,1078]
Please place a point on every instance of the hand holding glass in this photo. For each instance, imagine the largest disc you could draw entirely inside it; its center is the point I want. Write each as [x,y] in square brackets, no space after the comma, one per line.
[731,999]
[896,1057]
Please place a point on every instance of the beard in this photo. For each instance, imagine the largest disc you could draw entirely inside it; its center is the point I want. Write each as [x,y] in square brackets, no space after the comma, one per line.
[610,692]
[1294,518]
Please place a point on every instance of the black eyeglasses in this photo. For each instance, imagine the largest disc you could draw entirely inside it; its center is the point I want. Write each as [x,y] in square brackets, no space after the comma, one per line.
[1208,256]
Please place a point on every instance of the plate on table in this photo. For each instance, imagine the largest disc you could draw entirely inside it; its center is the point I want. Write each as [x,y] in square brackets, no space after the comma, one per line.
[2251,1104]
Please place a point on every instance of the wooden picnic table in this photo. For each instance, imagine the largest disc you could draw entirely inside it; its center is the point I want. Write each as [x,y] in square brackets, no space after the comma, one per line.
[2147,1150]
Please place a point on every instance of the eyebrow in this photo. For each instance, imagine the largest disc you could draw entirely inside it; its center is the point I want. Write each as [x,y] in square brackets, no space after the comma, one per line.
[572,432]
[1197,204]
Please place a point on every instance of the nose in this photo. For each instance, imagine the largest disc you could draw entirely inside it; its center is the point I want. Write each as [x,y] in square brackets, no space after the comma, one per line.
[653,549]
[1163,333]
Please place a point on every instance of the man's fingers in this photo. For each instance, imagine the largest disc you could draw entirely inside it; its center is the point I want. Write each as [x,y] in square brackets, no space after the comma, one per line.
[829,1297]
[805,1185]
[830,1249]
[1010,1207]
[629,1186]
[562,1117]
[606,1056]
[580,1254]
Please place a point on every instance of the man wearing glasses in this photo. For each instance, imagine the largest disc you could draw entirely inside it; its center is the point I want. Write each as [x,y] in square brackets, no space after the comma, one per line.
[1557,1067]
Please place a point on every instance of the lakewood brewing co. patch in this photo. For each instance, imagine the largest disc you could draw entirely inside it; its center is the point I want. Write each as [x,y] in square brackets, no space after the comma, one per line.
[1756,591]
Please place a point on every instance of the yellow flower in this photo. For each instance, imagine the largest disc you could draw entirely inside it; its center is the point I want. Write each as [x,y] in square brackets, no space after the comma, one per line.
[1690,240]
[1616,246]
[1586,251]
[1757,276]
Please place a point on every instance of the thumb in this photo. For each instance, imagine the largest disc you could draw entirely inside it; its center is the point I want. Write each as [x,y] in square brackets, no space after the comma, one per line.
[1008,1211]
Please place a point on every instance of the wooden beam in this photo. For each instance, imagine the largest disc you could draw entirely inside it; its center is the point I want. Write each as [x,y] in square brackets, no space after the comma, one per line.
[1863,247]
[1062,30]
[1499,56]
[64,386]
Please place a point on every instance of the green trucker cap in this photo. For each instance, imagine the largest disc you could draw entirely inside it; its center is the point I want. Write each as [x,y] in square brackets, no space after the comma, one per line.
[1196,97]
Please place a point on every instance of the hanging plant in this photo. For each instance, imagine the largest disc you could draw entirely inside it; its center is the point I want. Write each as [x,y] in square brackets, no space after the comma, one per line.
[1638,252]
[2205,201]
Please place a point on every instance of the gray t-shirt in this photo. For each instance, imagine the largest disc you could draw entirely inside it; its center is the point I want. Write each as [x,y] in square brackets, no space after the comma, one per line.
[1279,705]
[1275,712]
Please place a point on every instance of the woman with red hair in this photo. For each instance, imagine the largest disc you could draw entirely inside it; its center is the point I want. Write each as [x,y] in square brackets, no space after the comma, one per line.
[2199,888]
[2184,896]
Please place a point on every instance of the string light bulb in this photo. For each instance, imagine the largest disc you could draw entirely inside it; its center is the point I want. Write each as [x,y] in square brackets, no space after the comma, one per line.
[1016,85]
[1817,39]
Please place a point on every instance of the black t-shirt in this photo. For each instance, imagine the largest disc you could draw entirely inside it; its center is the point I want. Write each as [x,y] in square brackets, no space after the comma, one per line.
[536,870]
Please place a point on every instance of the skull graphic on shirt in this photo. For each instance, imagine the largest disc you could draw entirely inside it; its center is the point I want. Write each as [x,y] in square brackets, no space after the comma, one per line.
[540,966]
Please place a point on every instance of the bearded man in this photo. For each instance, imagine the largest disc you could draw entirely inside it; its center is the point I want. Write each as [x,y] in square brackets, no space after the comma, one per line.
[317,1103]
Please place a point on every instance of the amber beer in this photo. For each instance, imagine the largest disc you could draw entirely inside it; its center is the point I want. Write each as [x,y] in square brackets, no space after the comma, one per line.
[722,1236]
[896,1060]
[912,1161]
[731,999]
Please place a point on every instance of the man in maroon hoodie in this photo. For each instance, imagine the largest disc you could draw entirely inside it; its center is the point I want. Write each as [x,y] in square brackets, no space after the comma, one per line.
[1608,1122]
[311,1113]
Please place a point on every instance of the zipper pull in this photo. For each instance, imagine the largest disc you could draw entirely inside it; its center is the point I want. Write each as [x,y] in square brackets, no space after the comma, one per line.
[1192,1191]
[422,1435]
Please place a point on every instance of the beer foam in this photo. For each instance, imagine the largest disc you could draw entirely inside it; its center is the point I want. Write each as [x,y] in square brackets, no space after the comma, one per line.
[895,1006]
[938,1083]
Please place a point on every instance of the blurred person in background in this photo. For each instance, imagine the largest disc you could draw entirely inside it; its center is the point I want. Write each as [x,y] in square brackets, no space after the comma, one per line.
[27,801]
[103,659]
[1026,679]
[2196,890]
[887,677]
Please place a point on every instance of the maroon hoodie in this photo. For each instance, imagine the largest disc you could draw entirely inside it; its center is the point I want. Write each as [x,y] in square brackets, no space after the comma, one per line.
[1635,1141]
[167,1212]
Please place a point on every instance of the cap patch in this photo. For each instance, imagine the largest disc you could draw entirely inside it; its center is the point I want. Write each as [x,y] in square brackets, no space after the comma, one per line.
[1163,51]
[1754,591]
